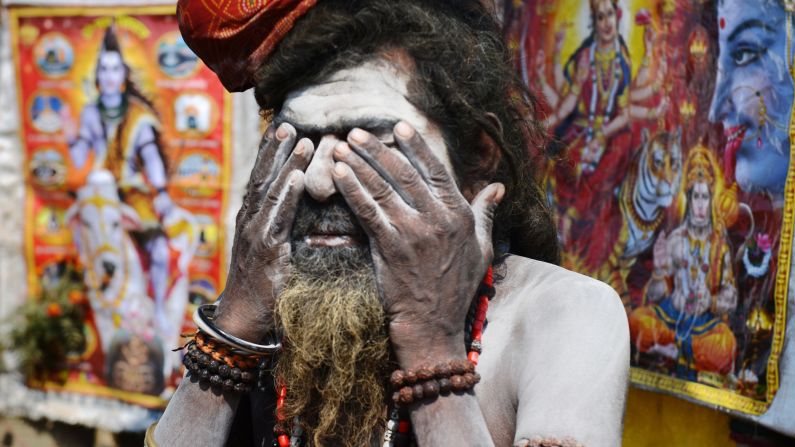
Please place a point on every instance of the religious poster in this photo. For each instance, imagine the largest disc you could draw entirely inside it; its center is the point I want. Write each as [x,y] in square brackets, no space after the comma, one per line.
[126,137]
[670,127]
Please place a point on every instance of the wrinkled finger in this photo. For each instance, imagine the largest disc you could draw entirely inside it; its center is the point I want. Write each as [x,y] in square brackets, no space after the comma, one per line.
[264,160]
[282,216]
[370,215]
[273,153]
[393,166]
[427,164]
[298,160]
[272,197]
[371,180]
[273,222]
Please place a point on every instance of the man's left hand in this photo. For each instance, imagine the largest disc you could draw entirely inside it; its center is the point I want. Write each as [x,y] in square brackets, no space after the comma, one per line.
[430,247]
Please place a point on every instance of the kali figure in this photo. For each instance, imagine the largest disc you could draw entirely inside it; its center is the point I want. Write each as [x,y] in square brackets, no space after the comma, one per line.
[687,324]
[594,98]
[753,99]
[753,93]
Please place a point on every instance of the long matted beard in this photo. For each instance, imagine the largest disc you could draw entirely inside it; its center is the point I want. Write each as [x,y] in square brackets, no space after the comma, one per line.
[335,357]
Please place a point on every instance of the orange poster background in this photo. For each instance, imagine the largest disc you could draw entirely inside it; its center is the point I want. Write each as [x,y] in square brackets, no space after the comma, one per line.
[198,160]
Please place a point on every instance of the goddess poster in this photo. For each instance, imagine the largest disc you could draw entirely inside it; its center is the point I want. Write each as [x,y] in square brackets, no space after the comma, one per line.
[127,141]
[670,124]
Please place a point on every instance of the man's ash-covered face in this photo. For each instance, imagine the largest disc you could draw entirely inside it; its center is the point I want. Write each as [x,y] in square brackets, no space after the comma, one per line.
[373,96]
[336,355]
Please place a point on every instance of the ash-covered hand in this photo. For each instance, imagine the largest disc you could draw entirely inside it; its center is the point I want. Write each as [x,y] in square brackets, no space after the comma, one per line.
[430,247]
[261,249]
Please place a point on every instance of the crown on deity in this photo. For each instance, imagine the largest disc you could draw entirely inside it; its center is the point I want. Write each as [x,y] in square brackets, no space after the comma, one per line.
[700,167]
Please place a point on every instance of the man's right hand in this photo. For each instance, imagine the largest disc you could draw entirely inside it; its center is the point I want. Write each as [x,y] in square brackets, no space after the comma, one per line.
[261,249]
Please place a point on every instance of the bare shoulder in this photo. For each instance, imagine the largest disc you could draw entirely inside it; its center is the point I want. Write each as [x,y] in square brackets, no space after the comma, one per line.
[580,320]
[534,290]
[569,351]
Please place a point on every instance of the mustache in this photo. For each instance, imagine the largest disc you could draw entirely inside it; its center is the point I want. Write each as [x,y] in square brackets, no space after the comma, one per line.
[332,217]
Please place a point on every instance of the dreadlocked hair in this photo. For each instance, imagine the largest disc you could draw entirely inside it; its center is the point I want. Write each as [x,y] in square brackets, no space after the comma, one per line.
[463,79]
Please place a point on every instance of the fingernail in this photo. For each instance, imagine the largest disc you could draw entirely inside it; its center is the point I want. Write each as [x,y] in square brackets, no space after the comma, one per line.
[404,130]
[339,169]
[281,132]
[342,149]
[358,135]
[299,148]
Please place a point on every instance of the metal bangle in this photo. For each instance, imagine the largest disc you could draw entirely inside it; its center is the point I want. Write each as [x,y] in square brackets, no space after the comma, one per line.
[149,439]
[205,324]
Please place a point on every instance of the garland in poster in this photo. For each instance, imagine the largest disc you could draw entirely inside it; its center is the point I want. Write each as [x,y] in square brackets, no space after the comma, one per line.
[672,132]
[126,140]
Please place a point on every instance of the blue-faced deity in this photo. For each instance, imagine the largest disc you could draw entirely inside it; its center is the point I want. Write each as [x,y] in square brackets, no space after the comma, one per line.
[753,93]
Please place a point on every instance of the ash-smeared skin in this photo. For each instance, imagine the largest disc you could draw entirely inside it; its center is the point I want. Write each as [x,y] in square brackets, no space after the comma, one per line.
[374,96]
[261,250]
[258,269]
[556,351]
[429,246]
[416,217]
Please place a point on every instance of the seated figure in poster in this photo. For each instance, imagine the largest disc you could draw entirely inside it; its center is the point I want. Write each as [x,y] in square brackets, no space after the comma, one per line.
[591,100]
[692,289]
[119,134]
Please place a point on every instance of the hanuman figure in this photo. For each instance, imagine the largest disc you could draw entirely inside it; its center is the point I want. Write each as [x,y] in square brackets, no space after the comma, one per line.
[692,287]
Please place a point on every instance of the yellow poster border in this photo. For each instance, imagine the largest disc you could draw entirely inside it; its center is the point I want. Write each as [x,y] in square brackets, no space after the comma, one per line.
[724,399]
[785,248]
[90,389]
[15,14]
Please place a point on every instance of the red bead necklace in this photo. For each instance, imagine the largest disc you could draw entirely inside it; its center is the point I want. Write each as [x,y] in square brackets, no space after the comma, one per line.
[403,426]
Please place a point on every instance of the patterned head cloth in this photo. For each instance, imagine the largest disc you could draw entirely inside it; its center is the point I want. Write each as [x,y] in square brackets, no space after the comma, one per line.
[234,37]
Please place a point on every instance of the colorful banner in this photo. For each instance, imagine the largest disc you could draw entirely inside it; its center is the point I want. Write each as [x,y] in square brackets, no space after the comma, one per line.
[670,124]
[126,136]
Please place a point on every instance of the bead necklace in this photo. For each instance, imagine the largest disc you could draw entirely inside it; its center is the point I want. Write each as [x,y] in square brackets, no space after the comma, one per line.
[398,425]
[112,114]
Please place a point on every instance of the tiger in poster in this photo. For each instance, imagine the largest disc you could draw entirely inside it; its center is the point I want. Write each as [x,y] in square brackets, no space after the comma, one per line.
[670,124]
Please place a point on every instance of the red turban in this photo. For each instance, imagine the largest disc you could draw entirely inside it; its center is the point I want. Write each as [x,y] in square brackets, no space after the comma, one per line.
[234,37]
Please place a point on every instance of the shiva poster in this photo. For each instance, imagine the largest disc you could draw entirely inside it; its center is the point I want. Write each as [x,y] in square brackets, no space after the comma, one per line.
[126,136]
[670,127]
